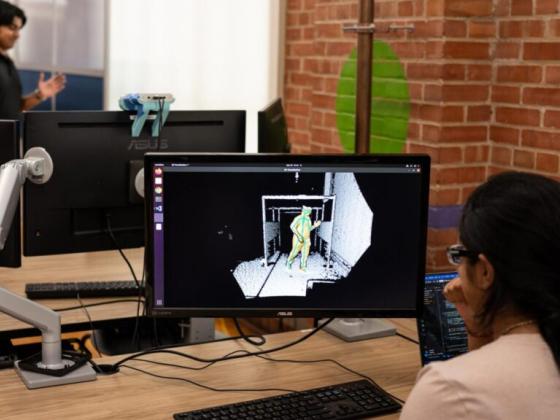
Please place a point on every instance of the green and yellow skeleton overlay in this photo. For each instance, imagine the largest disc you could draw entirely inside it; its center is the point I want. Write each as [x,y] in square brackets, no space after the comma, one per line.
[301,226]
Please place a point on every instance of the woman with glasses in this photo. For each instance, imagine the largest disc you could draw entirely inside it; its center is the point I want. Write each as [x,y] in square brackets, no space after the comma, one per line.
[508,293]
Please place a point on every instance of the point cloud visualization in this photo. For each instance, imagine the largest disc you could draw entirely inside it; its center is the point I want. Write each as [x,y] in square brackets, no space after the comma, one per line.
[308,239]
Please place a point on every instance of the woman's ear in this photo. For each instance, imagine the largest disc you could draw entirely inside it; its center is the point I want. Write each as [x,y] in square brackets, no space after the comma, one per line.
[485,272]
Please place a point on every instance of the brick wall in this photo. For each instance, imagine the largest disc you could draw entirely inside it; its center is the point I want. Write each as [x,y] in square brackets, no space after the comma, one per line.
[482,79]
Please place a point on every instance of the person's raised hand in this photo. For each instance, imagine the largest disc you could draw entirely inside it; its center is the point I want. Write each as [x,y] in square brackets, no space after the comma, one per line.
[51,86]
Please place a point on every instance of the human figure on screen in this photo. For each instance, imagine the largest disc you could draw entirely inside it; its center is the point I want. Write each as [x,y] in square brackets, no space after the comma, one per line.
[301,226]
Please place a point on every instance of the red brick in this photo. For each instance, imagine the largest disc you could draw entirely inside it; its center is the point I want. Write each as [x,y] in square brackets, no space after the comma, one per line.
[465,93]
[468,8]
[521,74]
[541,140]
[542,96]
[455,28]
[467,50]
[508,50]
[502,8]
[438,113]
[406,8]
[479,72]
[433,93]
[462,175]
[553,74]
[534,29]
[546,7]
[328,30]
[522,7]
[464,134]
[504,135]
[450,155]
[518,116]
[418,71]
[477,154]
[502,155]
[479,113]
[442,237]
[486,29]
[509,94]
[435,7]
[428,29]
[453,72]
[524,159]
[409,49]
[552,119]
[541,51]
[511,29]
[547,162]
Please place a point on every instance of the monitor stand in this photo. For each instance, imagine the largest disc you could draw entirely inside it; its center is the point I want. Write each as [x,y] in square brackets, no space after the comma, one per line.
[356,329]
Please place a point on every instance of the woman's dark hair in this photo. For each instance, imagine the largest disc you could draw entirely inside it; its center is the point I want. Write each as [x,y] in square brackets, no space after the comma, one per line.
[8,12]
[514,220]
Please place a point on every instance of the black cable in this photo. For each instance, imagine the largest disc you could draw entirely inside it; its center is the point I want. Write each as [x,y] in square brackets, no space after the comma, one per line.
[116,244]
[114,367]
[261,339]
[209,387]
[336,362]
[407,338]
[93,340]
[89,305]
[135,334]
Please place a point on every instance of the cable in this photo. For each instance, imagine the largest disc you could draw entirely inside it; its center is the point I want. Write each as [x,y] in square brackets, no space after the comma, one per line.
[407,338]
[114,367]
[261,338]
[93,340]
[89,305]
[209,387]
[336,362]
[112,236]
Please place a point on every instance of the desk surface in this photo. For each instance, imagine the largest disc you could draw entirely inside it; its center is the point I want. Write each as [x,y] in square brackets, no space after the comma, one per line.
[106,265]
[393,362]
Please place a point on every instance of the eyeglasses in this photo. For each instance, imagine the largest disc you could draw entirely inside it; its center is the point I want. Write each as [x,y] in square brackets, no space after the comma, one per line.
[458,251]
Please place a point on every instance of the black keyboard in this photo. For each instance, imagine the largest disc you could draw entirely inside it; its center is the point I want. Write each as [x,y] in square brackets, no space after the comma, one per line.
[352,400]
[85,289]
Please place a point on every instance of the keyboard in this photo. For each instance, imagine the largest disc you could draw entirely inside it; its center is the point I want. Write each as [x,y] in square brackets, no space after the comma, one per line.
[352,400]
[85,289]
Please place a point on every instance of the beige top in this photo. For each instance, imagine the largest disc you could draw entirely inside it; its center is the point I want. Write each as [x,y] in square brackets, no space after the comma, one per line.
[514,377]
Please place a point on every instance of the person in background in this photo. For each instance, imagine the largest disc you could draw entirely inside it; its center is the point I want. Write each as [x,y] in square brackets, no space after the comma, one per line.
[508,293]
[12,102]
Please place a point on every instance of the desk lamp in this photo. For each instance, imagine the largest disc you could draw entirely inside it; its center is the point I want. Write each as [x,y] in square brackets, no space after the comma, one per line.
[51,367]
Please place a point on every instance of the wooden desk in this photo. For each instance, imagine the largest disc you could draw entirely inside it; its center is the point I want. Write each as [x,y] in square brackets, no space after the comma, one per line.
[393,362]
[106,265]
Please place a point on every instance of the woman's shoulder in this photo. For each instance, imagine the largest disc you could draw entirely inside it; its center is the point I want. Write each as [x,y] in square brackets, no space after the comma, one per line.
[484,381]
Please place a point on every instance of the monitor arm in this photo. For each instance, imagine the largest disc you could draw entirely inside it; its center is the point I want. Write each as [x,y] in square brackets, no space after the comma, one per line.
[37,166]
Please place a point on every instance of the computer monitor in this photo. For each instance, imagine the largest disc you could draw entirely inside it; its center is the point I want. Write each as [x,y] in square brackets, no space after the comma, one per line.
[441,330]
[96,161]
[10,256]
[273,131]
[286,235]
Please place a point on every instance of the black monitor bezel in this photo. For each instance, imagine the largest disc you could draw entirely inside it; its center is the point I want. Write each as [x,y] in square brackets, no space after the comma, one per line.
[229,158]
[265,124]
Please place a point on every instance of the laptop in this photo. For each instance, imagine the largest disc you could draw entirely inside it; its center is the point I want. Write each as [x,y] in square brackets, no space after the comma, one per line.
[441,329]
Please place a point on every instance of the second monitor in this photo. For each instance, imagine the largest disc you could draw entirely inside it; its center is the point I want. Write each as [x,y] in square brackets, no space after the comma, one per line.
[95,164]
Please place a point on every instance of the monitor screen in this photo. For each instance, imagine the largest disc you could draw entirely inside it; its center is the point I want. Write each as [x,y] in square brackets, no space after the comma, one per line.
[96,162]
[10,256]
[273,131]
[441,329]
[286,235]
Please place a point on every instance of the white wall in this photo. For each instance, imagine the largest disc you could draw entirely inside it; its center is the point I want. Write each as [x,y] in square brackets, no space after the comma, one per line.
[210,54]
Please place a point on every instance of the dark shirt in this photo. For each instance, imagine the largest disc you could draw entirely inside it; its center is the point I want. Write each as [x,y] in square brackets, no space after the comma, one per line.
[10,89]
